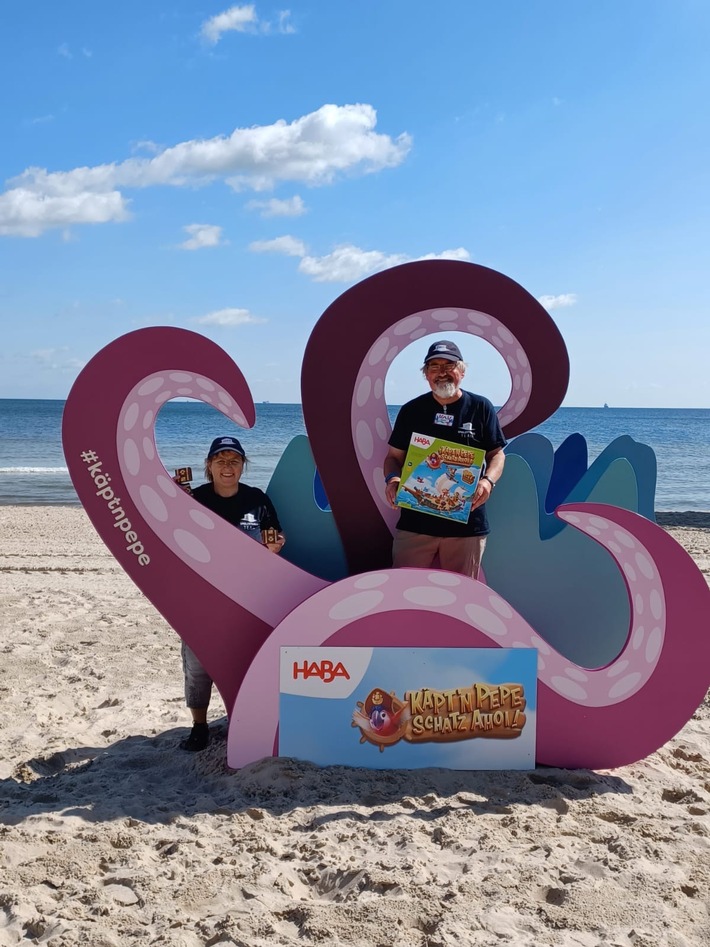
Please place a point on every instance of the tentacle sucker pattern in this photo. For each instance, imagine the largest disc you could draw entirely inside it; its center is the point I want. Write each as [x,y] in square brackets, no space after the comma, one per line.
[369,418]
[599,717]
[183,524]
[379,317]
[220,592]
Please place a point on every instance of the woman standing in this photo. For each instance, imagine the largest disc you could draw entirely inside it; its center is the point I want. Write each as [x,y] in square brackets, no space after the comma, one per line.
[250,510]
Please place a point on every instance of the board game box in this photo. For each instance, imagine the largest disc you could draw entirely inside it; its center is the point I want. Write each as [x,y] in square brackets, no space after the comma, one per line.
[440,477]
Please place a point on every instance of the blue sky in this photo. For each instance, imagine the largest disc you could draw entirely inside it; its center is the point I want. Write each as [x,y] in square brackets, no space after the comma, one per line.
[234,169]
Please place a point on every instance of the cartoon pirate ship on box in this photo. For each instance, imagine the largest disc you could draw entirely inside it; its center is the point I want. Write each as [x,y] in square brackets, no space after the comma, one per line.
[440,477]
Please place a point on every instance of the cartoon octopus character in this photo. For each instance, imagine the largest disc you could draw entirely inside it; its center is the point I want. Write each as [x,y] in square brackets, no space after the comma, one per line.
[382,719]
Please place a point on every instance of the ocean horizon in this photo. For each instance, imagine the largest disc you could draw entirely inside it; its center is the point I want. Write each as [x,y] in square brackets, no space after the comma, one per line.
[33,469]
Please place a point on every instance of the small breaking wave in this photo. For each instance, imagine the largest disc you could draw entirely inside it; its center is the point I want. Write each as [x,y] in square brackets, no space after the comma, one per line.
[34,470]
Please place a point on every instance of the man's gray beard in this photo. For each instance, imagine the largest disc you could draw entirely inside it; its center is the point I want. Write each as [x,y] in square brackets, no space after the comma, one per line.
[445,390]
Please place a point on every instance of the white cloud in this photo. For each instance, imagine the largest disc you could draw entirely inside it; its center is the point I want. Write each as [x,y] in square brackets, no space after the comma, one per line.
[64,51]
[346,263]
[291,246]
[27,213]
[238,19]
[313,149]
[557,302]
[229,317]
[290,207]
[56,359]
[150,147]
[459,253]
[202,235]
[284,26]
[243,19]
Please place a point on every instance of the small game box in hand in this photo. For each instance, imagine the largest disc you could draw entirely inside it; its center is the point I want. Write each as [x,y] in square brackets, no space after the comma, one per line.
[440,477]
[183,476]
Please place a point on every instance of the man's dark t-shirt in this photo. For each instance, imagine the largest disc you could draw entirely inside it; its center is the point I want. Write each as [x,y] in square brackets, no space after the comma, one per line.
[424,415]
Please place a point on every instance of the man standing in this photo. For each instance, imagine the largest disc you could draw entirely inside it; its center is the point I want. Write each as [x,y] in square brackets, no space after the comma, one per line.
[453,414]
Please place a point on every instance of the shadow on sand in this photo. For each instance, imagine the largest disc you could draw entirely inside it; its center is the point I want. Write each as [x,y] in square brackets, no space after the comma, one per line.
[152,780]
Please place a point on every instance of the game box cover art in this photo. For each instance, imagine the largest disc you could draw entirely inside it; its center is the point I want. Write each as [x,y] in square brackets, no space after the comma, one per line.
[440,477]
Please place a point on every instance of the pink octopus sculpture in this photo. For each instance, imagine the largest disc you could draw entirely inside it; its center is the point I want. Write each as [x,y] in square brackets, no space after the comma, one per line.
[190,563]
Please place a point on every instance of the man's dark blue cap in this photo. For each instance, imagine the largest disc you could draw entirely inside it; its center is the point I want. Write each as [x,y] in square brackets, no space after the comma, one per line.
[444,349]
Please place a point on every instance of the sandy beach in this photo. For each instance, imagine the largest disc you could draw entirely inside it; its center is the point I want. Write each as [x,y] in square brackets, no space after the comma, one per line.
[111,835]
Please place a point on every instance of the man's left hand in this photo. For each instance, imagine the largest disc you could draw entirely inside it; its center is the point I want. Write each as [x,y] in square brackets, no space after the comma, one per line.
[483,492]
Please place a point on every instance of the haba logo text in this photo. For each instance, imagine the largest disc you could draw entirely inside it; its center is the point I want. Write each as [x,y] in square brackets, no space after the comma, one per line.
[325,670]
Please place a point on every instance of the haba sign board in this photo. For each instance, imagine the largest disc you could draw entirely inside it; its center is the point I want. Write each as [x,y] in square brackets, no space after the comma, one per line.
[409,708]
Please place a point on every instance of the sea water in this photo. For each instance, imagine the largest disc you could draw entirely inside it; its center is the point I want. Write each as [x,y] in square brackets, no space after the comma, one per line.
[33,469]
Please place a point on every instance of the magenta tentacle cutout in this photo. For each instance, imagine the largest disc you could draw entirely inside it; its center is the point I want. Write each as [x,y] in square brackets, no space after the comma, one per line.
[363,331]
[201,573]
[587,717]
[235,604]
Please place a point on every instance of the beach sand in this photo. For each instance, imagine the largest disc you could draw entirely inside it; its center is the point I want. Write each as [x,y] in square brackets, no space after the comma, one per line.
[110,834]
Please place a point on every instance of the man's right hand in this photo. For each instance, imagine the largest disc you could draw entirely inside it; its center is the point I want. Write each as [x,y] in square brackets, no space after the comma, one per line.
[391,488]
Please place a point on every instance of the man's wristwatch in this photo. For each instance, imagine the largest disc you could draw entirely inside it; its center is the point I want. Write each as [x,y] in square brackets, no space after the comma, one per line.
[486,477]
